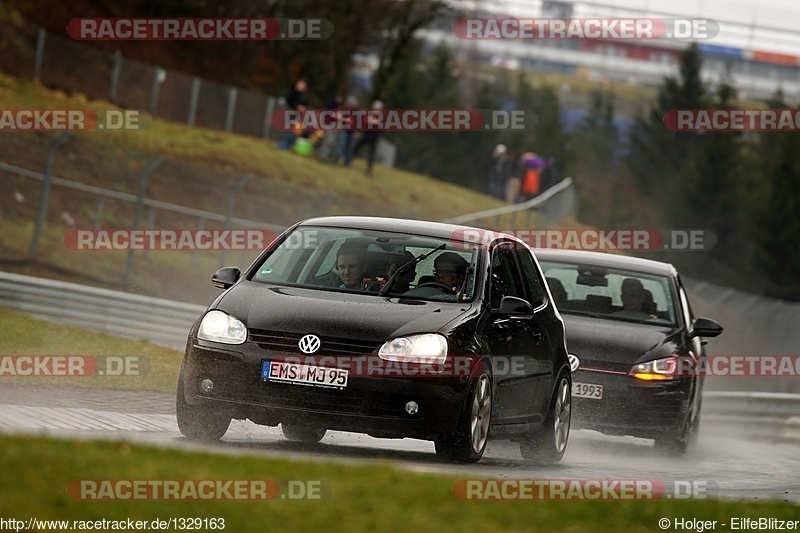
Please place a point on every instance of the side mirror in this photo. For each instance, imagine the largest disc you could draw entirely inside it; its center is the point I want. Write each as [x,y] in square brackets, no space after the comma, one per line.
[514,307]
[225,277]
[704,327]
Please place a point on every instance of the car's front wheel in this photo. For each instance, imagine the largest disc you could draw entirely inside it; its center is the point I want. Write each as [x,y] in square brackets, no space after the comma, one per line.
[680,443]
[548,445]
[300,433]
[198,422]
[468,443]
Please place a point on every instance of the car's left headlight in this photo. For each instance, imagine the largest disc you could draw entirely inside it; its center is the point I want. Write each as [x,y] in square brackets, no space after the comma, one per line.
[221,327]
[427,348]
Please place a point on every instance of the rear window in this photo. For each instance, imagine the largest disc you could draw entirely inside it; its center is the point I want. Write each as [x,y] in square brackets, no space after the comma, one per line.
[610,293]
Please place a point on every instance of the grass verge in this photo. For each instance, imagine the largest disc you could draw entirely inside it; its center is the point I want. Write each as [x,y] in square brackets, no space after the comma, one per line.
[156,367]
[361,498]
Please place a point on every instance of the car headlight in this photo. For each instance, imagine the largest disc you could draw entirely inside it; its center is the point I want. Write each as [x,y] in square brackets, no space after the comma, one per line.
[221,327]
[427,348]
[663,369]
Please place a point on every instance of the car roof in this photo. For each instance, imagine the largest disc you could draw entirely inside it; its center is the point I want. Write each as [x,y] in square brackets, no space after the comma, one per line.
[625,262]
[438,230]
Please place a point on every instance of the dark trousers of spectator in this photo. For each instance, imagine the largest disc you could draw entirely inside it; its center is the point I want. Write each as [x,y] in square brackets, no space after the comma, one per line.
[369,138]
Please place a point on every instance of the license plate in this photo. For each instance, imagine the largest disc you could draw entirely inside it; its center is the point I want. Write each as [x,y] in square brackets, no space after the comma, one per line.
[587,390]
[314,376]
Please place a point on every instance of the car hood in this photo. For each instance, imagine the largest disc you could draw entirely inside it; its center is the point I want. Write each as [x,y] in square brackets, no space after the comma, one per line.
[339,314]
[614,341]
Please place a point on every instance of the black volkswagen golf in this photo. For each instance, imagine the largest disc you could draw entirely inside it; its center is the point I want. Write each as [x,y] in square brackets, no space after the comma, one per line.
[630,323]
[389,327]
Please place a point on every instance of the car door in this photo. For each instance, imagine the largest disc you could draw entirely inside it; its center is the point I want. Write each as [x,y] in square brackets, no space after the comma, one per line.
[511,340]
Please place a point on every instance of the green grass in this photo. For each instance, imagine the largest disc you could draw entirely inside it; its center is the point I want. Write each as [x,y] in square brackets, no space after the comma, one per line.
[158,367]
[359,497]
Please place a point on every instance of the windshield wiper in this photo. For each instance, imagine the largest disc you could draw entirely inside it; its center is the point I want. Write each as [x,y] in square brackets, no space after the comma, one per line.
[405,267]
[470,271]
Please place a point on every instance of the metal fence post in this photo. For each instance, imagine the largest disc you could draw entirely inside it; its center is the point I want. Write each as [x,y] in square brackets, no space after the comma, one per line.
[193,98]
[115,72]
[37,64]
[232,94]
[44,198]
[159,75]
[268,116]
[229,211]
[137,217]
[98,217]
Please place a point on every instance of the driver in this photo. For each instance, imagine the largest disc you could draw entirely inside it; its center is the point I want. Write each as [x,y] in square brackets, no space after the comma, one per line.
[351,266]
[450,269]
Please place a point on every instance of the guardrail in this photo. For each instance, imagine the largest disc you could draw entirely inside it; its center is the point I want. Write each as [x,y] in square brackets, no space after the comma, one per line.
[765,416]
[773,417]
[132,316]
[556,202]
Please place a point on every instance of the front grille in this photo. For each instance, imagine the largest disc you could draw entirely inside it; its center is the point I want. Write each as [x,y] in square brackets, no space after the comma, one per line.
[287,342]
[348,401]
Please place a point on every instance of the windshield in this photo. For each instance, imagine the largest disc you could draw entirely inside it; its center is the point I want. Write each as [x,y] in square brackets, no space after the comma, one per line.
[364,261]
[610,293]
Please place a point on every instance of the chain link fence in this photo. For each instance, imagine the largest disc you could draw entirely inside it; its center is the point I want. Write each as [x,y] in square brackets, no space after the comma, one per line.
[29,52]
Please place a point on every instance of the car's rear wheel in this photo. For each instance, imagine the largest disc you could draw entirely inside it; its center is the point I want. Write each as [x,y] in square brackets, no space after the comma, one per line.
[548,445]
[300,433]
[198,422]
[468,443]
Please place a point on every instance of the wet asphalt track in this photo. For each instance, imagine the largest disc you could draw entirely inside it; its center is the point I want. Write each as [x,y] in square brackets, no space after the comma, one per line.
[726,467]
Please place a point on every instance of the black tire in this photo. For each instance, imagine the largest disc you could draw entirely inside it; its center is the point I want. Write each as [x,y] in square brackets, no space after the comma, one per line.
[299,433]
[547,446]
[197,422]
[680,444]
[469,442]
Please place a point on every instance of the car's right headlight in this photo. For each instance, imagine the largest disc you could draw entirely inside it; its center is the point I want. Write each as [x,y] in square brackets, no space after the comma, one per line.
[221,327]
[427,348]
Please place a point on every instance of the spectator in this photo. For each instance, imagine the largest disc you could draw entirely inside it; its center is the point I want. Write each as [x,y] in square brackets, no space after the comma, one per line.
[345,138]
[330,141]
[295,101]
[499,171]
[514,180]
[531,175]
[548,174]
[370,136]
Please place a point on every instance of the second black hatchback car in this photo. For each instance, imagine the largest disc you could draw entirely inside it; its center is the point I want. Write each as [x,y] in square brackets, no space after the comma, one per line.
[389,327]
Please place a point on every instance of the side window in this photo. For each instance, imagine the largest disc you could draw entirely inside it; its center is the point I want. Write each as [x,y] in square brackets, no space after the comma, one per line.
[530,274]
[506,279]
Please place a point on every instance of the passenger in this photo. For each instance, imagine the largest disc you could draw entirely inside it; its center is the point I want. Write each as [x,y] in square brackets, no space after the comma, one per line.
[649,305]
[351,266]
[450,269]
[403,282]
[557,290]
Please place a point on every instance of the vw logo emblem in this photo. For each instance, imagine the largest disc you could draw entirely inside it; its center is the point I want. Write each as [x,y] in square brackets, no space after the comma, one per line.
[574,362]
[309,343]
